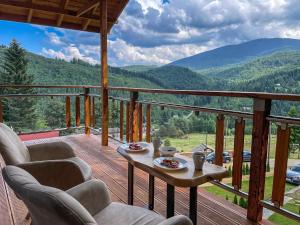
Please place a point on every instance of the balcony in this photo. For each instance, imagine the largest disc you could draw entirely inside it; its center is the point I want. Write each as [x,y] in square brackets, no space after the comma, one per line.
[135,123]
[110,167]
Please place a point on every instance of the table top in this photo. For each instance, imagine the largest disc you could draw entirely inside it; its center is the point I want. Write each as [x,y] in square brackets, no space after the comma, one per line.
[188,177]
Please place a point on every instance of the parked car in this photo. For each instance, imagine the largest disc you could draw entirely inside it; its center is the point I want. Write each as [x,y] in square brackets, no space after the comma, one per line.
[211,157]
[293,175]
[246,156]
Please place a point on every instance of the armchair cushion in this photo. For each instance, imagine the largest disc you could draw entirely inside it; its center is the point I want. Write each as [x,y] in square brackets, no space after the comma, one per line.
[118,213]
[62,174]
[177,220]
[46,205]
[93,195]
[12,149]
[50,151]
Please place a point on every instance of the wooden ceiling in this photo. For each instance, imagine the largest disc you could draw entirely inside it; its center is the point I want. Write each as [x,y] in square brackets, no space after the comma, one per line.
[81,15]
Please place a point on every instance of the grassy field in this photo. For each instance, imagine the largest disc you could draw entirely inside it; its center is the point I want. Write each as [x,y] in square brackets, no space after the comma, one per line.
[282,220]
[275,218]
[190,141]
[245,184]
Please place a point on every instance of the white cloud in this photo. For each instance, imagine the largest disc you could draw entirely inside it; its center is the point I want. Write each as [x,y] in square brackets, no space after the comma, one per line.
[68,53]
[122,53]
[150,32]
[54,38]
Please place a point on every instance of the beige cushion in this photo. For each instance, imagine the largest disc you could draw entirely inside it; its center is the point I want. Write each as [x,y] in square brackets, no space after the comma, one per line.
[12,149]
[85,169]
[47,206]
[120,214]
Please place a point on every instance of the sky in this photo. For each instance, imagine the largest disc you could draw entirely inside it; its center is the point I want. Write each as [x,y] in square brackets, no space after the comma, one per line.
[157,32]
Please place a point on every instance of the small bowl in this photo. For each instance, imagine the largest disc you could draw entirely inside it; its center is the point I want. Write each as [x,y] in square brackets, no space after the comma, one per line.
[167,151]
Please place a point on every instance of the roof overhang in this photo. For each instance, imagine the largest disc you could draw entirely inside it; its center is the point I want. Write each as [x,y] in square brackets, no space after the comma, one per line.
[83,15]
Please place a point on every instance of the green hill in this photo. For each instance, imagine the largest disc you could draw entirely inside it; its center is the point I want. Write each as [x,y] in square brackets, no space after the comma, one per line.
[277,72]
[233,54]
[281,61]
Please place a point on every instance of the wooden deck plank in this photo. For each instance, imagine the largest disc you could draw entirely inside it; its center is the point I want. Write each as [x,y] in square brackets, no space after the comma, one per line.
[110,167]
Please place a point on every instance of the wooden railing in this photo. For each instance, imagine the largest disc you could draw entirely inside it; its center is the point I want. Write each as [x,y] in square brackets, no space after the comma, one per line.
[82,94]
[134,109]
[261,119]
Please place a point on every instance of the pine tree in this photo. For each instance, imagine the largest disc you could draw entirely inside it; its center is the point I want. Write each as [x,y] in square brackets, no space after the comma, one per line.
[19,112]
[247,169]
[235,200]
[295,131]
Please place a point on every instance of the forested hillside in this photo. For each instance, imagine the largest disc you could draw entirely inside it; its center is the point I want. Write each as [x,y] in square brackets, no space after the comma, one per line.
[232,54]
[277,72]
[261,66]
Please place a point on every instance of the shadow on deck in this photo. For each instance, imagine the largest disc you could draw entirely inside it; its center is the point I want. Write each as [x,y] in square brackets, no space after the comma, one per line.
[110,167]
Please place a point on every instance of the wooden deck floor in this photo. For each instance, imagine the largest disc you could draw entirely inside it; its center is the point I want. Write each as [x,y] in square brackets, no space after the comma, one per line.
[110,167]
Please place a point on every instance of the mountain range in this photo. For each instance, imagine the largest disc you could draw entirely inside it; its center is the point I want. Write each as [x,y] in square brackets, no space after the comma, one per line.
[271,65]
[239,53]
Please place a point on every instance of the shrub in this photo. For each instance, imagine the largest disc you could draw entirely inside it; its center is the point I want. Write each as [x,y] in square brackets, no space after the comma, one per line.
[235,200]
[242,202]
[167,142]
[247,169]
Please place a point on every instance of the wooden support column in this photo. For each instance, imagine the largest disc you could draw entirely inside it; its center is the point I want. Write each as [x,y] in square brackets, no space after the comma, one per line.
[93,112]
[1,111]
[239,137]
[148,124]
[77,109]
[87,111]
[68,112]
[140,122]
[104,73]
[219,140]
[259,148]
[121,120]
[281,159]
[134,115]
[128,122]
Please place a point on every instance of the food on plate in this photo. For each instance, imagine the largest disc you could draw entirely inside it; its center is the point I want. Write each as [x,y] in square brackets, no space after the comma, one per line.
[170,163]
[135,147]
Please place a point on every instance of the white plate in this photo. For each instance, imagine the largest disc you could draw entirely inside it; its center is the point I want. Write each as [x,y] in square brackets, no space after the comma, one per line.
[144,146]
[182,163]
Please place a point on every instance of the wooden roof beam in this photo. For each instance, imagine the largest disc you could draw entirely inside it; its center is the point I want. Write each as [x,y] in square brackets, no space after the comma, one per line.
[29,17]
[63,5]
[93,4]
[49,9]
[46,22]
[87,22]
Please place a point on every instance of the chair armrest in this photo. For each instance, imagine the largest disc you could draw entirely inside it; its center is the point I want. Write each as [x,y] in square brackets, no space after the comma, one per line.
[92,194]
[177,220]
[50,151]
[61,174]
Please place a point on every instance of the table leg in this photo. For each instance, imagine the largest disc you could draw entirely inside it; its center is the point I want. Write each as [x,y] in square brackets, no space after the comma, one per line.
[170,200]
[130,184]
[193,204]
[151,192]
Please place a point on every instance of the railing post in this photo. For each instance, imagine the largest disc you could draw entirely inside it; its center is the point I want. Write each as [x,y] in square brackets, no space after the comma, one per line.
[77,111]
[93,112]
[219,140]
[140,122]
[68,112]
[239,137]
[128,122]
[148,124]
[121,120]
[260,131]
[87,111]
[134,115]
[104,72]
[281,159]
[1,111]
